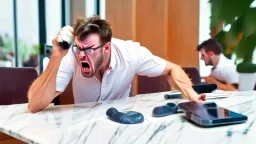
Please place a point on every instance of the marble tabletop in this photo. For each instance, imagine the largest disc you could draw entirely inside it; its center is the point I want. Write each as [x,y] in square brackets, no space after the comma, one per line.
[88,123]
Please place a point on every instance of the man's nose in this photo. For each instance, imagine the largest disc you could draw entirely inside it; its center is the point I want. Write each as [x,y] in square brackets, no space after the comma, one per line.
[82,55]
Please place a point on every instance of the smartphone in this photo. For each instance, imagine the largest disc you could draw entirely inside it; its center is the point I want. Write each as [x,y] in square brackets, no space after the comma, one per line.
[210,114]
[64,45]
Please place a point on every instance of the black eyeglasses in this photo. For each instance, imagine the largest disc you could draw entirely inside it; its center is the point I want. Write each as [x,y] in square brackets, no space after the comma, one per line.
[89,51]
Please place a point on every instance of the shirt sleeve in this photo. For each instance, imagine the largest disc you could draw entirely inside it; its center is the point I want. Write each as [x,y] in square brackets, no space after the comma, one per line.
[226,74]
[148,64]
[230,75]
[65,73]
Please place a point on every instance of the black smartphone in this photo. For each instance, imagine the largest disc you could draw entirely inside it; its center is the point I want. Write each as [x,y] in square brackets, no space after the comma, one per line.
[64,45]
[210,114]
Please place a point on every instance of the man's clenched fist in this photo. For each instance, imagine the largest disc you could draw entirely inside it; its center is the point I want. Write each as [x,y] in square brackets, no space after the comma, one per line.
[65,34]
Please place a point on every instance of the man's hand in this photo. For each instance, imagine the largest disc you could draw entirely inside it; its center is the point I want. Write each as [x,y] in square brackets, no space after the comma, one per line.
[211,80]
[199,98]
[65,34]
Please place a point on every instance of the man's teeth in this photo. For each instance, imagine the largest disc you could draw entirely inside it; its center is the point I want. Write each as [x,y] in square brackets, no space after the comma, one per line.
[86,69]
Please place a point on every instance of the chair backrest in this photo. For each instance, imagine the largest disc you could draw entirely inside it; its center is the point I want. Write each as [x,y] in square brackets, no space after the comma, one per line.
[14,84]
[152,84]
[67,97]
[160,83]
[193,74]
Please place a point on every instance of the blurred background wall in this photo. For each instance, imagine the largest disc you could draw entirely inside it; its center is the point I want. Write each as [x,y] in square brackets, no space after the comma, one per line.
[168,28]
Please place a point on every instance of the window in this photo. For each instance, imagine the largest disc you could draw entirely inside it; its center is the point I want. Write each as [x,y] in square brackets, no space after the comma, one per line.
[27,33]
[204,33]
[6,34]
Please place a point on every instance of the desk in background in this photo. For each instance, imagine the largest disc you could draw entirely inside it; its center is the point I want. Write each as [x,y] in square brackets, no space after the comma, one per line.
[88,123]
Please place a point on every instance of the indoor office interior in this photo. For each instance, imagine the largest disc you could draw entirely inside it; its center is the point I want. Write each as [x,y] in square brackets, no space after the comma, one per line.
[170,29]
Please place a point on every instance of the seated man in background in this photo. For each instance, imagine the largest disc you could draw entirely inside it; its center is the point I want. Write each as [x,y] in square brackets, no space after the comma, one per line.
[102,67]
[224,72]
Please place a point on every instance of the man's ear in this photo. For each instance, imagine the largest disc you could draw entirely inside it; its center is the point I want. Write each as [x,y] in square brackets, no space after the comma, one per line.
[107,47]
[211,54]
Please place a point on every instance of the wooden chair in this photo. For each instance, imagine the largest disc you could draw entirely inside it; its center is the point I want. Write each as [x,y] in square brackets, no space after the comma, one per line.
[14,84]
[152,84]
[67,96]
[193,74]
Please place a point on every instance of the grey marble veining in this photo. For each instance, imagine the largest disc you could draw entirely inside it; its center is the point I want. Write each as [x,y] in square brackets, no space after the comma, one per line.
[88,123]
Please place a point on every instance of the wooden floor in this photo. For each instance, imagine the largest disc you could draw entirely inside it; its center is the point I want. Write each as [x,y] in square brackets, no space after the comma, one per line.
[5,139]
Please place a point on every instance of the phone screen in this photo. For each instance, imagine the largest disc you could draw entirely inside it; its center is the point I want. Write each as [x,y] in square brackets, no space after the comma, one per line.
[209,111]
[215,113]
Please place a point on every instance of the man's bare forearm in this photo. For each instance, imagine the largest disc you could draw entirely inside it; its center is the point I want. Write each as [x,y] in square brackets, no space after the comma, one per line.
[182,82]
[225,87]
[43,89]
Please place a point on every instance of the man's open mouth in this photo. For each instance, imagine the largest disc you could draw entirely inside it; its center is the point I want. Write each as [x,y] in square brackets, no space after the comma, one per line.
[85,67]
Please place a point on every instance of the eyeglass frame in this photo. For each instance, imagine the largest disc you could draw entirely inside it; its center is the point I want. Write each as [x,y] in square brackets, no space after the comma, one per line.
[85,49]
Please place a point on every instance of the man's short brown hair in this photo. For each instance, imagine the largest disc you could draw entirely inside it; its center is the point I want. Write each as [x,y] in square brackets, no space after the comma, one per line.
[93,24]
[210,45]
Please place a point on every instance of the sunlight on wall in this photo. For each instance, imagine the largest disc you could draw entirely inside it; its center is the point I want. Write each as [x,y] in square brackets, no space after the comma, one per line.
[204,33]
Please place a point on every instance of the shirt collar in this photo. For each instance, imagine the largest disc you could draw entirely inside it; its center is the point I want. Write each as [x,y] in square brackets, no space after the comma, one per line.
[112,58]
[221,61]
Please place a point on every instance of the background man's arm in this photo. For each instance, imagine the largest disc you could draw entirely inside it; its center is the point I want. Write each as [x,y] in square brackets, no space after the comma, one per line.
[220,85]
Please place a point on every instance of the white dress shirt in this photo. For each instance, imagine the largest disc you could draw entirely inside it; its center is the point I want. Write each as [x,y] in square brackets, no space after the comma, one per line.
[225,71]
[128,58]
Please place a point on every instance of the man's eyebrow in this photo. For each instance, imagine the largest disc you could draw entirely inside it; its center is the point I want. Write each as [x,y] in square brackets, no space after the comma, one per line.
[86,47]
[89,46]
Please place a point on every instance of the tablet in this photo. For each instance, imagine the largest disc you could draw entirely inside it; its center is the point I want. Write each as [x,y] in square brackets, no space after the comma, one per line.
[209,114]
[178,94]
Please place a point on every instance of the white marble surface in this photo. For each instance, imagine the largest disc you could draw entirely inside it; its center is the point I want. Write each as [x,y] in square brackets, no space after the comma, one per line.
[88,123]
